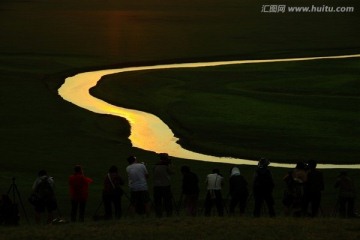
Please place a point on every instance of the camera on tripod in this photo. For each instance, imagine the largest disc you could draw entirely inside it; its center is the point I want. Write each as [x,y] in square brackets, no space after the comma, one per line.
[9,206]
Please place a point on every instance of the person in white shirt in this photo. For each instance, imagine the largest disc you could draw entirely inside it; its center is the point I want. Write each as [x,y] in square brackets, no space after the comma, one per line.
[214,182]
[138,175]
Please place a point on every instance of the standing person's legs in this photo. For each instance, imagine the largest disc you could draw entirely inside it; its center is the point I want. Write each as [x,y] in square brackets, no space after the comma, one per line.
[158,197]
[233,202]
[82,206]
[39,210]
[342,207]
[270,204]
[117,205]
[258,198]
[107,205]
[242,203]
[51,206]
[219,203]
[208,202]
[74,209]
[350,207]
[305,204]
[193,204]
[315,204]
[168,198]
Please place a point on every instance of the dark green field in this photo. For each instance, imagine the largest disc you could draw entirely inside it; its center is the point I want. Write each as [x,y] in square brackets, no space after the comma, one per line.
[42,42]
[287,111]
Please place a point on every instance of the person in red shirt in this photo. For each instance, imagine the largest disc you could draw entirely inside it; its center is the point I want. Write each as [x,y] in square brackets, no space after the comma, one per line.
[79,192]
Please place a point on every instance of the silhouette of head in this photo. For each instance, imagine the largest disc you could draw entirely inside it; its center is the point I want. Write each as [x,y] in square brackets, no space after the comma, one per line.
[131,159]
[113,169]
[42,173]
[185,169]
[312,164]
[77,169]
[263,163]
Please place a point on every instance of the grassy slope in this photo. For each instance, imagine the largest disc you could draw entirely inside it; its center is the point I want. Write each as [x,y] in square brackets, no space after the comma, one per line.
[42,42]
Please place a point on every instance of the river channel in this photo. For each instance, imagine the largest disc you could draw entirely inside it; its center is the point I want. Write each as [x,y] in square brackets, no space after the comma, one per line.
[149,132]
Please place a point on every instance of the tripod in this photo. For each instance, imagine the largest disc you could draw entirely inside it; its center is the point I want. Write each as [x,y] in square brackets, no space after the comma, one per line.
[15,193]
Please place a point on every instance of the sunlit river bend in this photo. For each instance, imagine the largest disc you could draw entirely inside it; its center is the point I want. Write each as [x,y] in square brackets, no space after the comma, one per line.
[149,132]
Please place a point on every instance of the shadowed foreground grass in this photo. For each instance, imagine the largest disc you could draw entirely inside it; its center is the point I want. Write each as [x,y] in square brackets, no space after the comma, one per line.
[193,228]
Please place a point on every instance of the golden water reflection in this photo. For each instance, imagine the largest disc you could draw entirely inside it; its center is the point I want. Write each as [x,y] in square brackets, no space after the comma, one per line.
[148,132]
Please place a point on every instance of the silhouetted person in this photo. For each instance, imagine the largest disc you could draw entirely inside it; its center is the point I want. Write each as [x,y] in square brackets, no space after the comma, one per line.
[112,193]
[79,193]
[43,188]
[263,186]
[346,196]
[162,188]
[190,190]
[238,191]
[312,190]
[214,182]
[293,199]
[138,175]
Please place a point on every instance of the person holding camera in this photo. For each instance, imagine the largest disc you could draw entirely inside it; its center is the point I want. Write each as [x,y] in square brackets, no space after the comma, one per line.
[43,189]
[79,193]
[214,182]
[162,188]
[139,193]
[263,186]
[112,193]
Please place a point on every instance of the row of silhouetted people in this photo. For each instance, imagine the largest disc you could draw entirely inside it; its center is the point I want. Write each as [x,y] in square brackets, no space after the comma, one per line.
[302,195]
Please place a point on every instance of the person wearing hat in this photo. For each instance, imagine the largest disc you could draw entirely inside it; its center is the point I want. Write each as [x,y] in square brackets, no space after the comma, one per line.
[238,191]
[263,186]
[162,186]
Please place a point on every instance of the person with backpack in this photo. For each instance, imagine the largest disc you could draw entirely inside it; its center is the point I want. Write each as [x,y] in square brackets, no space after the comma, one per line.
[293,198]
[79,192]
[263,186]
[43,190]
[112,193]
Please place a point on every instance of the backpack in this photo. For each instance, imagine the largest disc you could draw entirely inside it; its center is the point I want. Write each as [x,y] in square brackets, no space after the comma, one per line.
[44,190]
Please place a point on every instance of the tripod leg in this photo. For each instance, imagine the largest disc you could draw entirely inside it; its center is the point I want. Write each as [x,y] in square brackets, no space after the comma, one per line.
[21,203]
[175,206]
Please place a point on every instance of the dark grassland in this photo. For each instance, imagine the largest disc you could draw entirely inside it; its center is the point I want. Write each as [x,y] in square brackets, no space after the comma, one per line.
[288,111]
[42,42]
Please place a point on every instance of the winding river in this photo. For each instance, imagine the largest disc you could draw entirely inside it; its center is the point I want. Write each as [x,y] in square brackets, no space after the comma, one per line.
[148,132]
